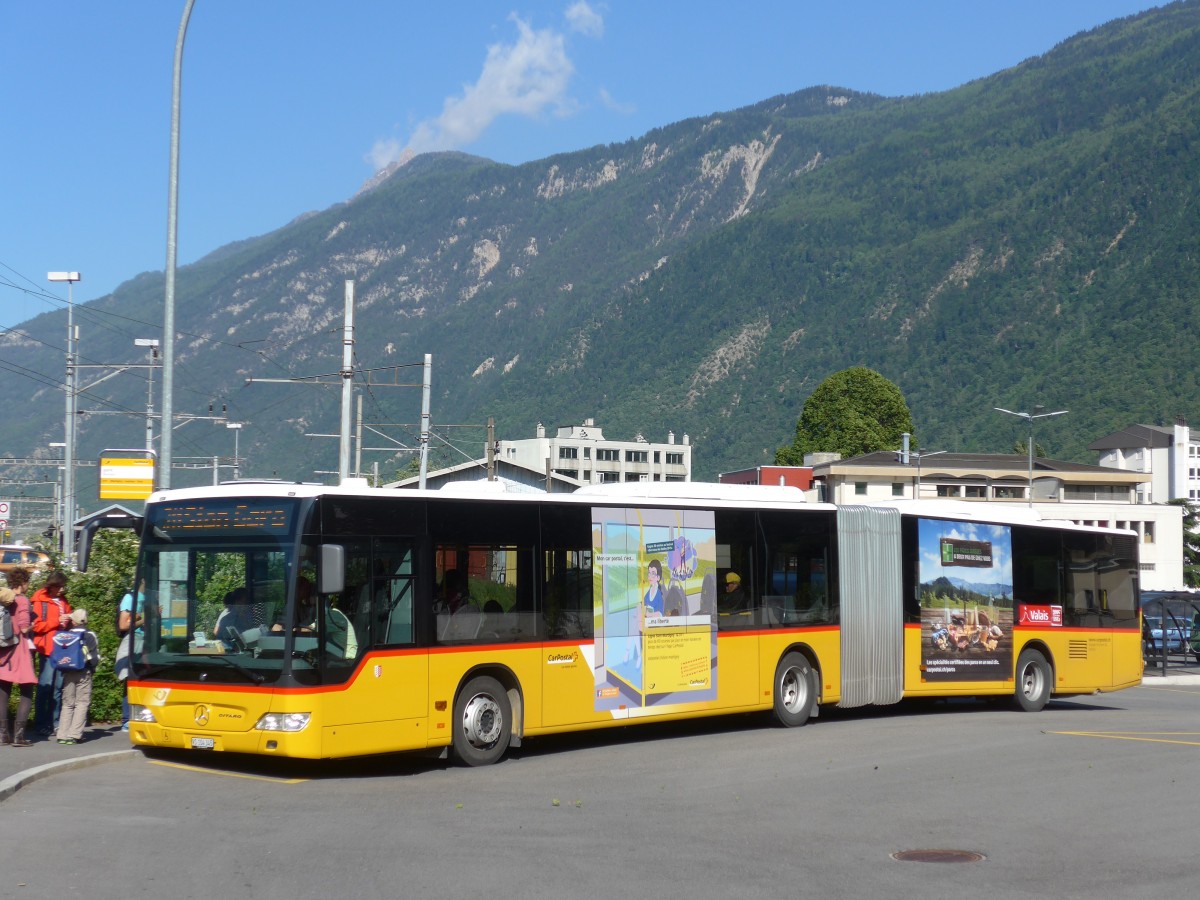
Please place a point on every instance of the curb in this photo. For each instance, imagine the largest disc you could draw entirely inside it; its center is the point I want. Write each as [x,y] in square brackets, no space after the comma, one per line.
[14,783]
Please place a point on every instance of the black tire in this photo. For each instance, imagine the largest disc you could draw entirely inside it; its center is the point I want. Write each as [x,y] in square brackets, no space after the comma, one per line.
[1034,681]
[794,691]
[482,722]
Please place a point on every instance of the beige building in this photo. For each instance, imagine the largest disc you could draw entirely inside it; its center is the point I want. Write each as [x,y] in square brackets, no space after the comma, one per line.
[1087,495]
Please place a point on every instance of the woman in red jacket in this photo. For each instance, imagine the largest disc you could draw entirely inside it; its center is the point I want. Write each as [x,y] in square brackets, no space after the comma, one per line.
[53,614]
[16,661]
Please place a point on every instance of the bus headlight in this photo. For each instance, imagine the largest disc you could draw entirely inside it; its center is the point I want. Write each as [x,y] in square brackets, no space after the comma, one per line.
[283,722]
[139,713]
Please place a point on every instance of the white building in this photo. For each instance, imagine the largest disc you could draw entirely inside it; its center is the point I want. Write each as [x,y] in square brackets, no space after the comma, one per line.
[1170,456]
[583,453]
[1087,495]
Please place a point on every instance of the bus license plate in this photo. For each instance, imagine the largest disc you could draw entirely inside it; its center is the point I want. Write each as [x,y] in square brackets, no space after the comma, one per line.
[203,743]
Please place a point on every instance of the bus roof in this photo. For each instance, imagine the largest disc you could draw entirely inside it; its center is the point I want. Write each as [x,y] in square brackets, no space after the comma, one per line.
[682,493]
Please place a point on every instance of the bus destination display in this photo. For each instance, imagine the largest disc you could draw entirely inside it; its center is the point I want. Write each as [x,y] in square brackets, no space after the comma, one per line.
[233,516]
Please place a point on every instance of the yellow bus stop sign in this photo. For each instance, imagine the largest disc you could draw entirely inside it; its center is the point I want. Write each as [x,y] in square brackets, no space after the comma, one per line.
[126,479]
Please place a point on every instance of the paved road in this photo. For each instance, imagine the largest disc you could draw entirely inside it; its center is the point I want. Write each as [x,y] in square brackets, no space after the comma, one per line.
[1090,798]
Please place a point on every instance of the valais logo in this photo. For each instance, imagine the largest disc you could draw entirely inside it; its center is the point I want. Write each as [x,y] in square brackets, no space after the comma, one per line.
[1041,615]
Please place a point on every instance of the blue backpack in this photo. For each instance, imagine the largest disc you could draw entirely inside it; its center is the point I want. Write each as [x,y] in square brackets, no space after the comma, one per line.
[70,653]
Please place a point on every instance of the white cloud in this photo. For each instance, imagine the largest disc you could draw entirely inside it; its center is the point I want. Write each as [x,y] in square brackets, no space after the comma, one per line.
[385,152]
[626,109]
[585,20]
[525,78]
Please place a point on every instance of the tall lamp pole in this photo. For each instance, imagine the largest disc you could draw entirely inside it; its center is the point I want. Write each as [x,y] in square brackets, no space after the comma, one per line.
[168,388]
[68,519]
[1029,417]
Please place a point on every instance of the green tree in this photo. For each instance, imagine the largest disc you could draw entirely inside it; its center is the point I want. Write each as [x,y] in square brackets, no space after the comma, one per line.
[99,590]
[1191,541]
[851,412]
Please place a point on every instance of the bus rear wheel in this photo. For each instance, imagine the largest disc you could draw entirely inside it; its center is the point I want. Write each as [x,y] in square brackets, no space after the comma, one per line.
[1033,681]
[482,722]
[794,690]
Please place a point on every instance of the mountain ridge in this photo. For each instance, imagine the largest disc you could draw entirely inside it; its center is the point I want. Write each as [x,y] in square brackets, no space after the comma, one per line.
[1017,240]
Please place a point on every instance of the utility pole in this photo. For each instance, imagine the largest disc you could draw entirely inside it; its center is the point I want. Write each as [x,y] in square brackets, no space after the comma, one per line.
[347,383]
[491,448]
[345,377]
[425,392]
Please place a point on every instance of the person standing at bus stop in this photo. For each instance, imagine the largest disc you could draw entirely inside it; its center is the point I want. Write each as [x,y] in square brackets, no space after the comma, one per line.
[53,614]
[16,661]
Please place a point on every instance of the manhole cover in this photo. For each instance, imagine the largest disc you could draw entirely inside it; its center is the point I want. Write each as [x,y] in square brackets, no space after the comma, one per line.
[938,856]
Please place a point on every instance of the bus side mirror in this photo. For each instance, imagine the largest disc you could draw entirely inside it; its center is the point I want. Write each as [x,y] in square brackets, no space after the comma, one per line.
[332,573]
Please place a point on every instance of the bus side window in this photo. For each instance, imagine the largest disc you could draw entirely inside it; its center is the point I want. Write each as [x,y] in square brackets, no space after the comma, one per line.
[392,586]
[735,570]
[797,586]
[567,610]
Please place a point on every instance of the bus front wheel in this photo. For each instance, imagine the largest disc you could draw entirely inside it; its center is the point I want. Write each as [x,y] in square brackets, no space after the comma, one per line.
[482,722]
[794,691]
[1033,681]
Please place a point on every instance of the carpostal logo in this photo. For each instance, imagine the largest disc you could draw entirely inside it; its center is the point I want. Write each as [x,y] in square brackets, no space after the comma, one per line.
[562,659]
[1041,615]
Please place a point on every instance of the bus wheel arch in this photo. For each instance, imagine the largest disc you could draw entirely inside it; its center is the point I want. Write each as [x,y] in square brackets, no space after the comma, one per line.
[795,688]
[1033,677]
[487,713]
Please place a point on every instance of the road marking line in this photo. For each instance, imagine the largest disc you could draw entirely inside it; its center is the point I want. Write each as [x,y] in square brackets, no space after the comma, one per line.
[202,770]
[1150,737]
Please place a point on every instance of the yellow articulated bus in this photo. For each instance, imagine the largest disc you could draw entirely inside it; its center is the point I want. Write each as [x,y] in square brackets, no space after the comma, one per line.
[317,622]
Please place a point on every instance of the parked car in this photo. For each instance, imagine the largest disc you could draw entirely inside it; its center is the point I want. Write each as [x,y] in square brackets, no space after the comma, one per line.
[11,557]
[1178,634]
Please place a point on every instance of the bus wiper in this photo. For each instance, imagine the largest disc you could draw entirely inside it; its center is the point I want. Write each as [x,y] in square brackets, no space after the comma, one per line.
[249,673]
[196,664]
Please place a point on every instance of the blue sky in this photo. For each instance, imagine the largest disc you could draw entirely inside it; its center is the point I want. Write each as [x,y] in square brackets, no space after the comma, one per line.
[290,105]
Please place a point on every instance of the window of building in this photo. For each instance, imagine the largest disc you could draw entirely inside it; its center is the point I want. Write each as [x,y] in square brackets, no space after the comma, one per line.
[609,477]
[570,473]
[608,454]
[949,490]
[568,453]
[674,459]
[897,489]
[977,491]
[587,452]
[1008,492]
[657,456]
[860,488]
[1148,534]
[637,456]
[1113,493]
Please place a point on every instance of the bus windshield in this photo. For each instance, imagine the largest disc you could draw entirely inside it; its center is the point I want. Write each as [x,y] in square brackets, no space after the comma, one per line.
[213,589]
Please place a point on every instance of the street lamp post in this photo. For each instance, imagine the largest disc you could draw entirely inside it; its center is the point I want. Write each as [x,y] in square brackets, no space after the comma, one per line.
[68,520]
[168,387]
[237,430]
[1029,417]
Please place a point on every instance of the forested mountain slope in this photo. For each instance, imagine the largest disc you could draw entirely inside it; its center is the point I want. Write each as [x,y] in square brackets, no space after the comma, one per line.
[1026,238]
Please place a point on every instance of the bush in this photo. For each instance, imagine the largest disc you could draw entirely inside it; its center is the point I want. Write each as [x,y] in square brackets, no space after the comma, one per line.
[99,591]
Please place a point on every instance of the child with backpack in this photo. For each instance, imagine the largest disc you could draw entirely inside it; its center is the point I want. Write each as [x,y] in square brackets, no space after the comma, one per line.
[75,655]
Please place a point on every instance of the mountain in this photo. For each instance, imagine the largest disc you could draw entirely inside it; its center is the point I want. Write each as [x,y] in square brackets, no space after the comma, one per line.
[1027,238]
